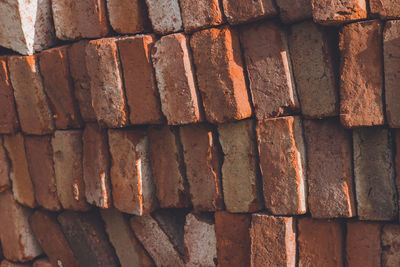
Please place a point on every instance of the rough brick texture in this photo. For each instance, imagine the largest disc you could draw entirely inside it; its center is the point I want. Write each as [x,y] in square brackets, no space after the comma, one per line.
[43,262]
[397,164]
[293,11]
[165,15]
[390,241]
[385,9]
[8,114]
[332,12]
[5,182]
[6,263]
[248,10]
[200,14]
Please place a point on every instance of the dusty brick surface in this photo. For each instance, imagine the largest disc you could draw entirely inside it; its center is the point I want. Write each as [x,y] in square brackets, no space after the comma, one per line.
[283,165]
[219,69]
[5,182]
[331,12]
[385,9]
[8,115]
[165,15]
[272,89]
[248,10]
[390,241]
[200,14]
[293,11]
[360,92]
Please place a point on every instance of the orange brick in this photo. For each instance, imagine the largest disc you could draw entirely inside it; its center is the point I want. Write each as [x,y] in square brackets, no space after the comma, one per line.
[331,12]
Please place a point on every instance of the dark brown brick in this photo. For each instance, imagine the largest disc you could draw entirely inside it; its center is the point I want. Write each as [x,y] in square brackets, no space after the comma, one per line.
[8,115]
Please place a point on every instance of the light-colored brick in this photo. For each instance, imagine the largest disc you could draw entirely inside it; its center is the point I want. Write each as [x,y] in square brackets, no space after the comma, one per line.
[165,15]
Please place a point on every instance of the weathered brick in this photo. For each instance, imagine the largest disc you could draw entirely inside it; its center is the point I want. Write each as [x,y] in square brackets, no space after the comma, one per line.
[4,169]
[39,155]
[220,76]
[320,243]
[239,169]
[106,85]
[363,244]
[43,262]
[313,70]
[8,115]
[180,101]
[385,9]
[293,11]
[203,160]
[131,175]
[272,88]
[283,165]
[96,166]
[51,238]
[390,241]
[397,165]
[200,14]
[165,15]
[140,85]
[248,10]
[329,169]
[332,12]
[34,114]
[374,174]
[6,263]
[360,92]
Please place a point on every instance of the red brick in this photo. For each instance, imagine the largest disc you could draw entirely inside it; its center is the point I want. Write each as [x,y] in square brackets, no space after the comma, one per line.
[385,9]
[96,166]
[390,241]
[329,170]
[203,160]
[363,244]
[273,90]
[141,91]
[200,14]
[233,238]
[39,156]
[320,243]
[220,76]
[332,12]
[167,164]
[360,92]
[4,169]
[180,101]
[397,163]
[34,114]
[58,87]
[131,175]
[283,165]
[8,115]
[51,238]
[293,11]
[6,263]
[248,10]
[43,262]
[165,16]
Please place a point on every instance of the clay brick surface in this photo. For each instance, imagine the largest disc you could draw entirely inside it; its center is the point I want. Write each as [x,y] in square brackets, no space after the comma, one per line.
[272,88]
[200,14]
[5,182]
[360,92]
[165,15]
[248,10]
[131,174]
[39,155]
[106,85]
[385,9]
[313,69]
[43,262]
[329,170]
[6,263]
[203,160]
[220,77]
[293,11]
[332,12]
[397,163]
[320,243]
[390,241]
[239,169]
[34,114]
[180,101]
[283,165]
[8,114]
[374,174]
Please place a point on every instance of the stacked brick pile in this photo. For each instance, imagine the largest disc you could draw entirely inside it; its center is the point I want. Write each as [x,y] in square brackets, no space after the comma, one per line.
[199,133]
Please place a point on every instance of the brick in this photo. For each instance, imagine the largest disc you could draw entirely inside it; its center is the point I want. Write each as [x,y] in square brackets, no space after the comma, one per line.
[397,163]
[34,113]
[239,169]
[17,239]
[58,87]
[283,165]
[390,241]
[165,16]
[220,76]
[293,11]
[131,175]
[68,169]
[96,166]
[43,262]
[272,89]
[197,15]
[128,16]
[329,169]
[80,79]
[80,19]
[363,244]
[314,71]
[22,186]
[5,182]
[6,263]
[331,12]
[233,238]
[320,243]
[247,10]
[360,92]
[203,160]
[385,9]
[374,174]
[127,247]
[8,115]
[200,240]
[273,241]
[140,86]
[180,101]
[87,238]
[106,85]
[39,155]
[26,26]
[51,238]
[168,168]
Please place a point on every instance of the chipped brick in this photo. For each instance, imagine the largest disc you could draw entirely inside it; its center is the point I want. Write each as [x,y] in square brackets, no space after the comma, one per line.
[165,15]
[332,12]
[200,14]
[248,10]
